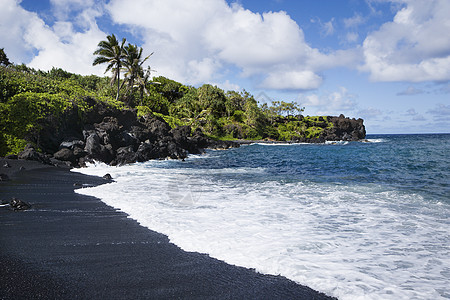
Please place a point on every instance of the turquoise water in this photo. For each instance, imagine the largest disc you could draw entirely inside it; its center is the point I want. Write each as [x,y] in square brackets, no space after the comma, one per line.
[354,220]
[411,163]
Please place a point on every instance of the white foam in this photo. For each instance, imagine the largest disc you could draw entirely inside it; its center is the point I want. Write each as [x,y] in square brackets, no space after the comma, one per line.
[352,242]
[279,144]
[336,142]
[376,140]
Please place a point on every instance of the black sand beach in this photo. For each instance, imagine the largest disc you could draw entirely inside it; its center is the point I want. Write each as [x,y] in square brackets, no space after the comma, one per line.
[70,246]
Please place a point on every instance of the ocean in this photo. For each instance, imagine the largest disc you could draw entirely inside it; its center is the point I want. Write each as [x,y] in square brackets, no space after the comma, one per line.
[355,220]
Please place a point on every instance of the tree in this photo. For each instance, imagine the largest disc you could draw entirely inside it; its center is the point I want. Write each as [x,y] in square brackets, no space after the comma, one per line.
[213,99]
[134,73]
[111,53]
[288,108]
[3,58]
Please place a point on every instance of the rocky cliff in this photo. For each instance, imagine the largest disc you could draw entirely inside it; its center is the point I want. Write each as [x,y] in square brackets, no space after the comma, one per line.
[115,137]
[118,137]
[335,129]
[345,129]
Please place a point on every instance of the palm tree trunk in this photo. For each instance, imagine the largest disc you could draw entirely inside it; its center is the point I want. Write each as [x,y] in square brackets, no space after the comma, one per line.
[118,82]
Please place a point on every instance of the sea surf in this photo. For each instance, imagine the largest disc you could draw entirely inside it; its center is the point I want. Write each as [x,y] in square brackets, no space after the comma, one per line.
[357,220]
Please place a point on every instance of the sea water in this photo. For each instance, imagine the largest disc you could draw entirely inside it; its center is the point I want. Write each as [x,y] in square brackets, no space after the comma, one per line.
[355,220]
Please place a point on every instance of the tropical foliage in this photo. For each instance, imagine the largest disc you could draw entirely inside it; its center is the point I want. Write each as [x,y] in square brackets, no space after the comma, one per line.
[31,98]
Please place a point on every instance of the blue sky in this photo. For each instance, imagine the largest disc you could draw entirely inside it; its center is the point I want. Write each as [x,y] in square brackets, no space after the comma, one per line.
[386,61]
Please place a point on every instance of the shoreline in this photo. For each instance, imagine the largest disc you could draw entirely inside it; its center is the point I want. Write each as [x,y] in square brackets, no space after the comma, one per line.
[274,142]
[74,246]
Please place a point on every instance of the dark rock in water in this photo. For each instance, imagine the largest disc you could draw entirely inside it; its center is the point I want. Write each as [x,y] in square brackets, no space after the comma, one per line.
[124,155]
[4,177]
[344,129]
[175,152]
[22,168]
[221,145]
[29,153]
[146,151]
[107,176]
[18,204]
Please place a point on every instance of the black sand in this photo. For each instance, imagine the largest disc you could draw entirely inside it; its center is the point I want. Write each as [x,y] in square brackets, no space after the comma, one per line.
[70,246]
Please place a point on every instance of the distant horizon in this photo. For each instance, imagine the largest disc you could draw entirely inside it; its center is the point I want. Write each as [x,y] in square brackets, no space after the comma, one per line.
[387,62]
[419,133]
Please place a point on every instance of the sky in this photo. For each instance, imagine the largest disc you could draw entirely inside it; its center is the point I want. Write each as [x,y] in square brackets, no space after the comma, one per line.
[386,61]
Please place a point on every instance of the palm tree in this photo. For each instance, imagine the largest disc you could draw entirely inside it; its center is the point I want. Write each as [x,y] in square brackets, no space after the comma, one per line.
[133,68]
[113,54]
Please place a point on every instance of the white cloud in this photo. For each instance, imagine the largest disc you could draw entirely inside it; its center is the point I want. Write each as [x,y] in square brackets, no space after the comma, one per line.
[352,37]
[57,46]
[14,22]
[265,46]
[419,118]
[413,47]
[293,80]
[228,86]
[64,48]
[370,113]
[63,9]
[354,21]
[410,91]
[411,112]
[441,112]
[332,103]
[328,28]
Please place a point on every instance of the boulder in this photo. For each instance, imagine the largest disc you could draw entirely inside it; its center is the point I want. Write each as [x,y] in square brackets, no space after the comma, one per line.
[127,118]
[344,129]
[180,135]
[29,153]
[157,128]
[126,138]
[65,154]
[79,152]
[140,132]
[124,155]
[71,143]
[17,204]
[93,146]
[147,151]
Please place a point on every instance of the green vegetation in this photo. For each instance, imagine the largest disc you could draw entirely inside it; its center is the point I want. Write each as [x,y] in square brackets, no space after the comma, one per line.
[31,100]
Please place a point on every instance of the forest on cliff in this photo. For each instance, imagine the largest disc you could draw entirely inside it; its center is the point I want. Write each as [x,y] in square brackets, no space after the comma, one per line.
[33,99]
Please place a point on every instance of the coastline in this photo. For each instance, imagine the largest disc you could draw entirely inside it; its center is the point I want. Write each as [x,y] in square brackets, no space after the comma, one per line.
[73,246]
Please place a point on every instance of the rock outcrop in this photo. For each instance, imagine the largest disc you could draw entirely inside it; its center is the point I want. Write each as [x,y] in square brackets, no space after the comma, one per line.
[342,129]
[17,204]
[345,129]
[118,137]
